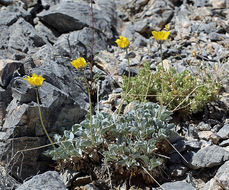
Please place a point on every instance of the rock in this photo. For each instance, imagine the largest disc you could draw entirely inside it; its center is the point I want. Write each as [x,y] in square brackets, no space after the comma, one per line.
[49,181]
[204,126]
[205,135]
[11,14]
[178,185]
[69,16]
[213,36]
[51,35]
[220,180]
[7,70]
[224,132]
[59,110]
[218,3]
[5,98]
[224,143]
[201,3]
[23,37]
[6,2]
[79,42]
[209,156]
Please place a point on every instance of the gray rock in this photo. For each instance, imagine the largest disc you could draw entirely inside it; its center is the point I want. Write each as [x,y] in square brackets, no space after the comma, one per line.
[178,185]
[11,14]
[210,156]
[213,36]
[218,3]
[51,35]
[201,3]
[24,37]
[224,143]
[220,180]
[224,132]
[6,2]
[7,70]
[69,16]
[47,181]
[80,43]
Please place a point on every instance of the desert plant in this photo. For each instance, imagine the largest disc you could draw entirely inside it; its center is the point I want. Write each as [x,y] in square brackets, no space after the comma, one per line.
[129,141]
[181,91]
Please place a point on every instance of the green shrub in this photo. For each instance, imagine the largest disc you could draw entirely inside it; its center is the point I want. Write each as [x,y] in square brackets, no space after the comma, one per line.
[128,141]
[177,91]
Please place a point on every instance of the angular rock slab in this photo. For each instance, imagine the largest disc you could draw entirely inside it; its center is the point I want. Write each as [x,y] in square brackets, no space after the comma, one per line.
[178,185]
[209,156]
[23,37]
[47,181]
[75,15]
[221,179]
[7,69]
[224,132]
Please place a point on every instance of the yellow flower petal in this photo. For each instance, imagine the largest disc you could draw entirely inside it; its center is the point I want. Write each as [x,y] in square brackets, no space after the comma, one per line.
[160,35]
[79,63]
[122,42]
[35,80]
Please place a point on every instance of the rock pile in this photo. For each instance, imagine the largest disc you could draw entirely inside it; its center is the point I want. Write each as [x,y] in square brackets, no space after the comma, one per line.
[42,37]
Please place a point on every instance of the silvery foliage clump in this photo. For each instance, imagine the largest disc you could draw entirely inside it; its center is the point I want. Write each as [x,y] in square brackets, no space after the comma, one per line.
[128,140]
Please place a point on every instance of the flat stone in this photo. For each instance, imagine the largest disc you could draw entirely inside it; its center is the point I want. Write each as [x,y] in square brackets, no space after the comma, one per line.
[178,185]
[218,3]
[224,132]
[7,69]
[205,134]
[224,143]
[48,181]
[221,179]
[209,156]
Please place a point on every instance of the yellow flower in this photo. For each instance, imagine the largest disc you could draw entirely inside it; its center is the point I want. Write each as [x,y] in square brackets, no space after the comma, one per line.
[160,35]
[35,80]
[79,63]
[122,42]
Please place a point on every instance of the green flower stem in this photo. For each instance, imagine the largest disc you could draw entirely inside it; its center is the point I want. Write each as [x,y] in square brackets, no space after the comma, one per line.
[127,54]
[42,123]
[128,85]
[161,55]
[89,96]
[162,87]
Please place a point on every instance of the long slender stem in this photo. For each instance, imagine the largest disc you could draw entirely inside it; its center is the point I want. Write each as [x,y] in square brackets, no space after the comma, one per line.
[89,96]
[162,87]
[161,55]
[128,84]
[93,40]
[42,123]
[127,54]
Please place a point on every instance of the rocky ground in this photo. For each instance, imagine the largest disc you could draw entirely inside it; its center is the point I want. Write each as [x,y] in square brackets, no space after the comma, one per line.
[42,37]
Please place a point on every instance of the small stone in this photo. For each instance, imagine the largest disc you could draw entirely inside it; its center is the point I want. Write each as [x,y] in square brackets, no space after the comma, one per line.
[204,126]
[218,3]
[224,132]
[205,134]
